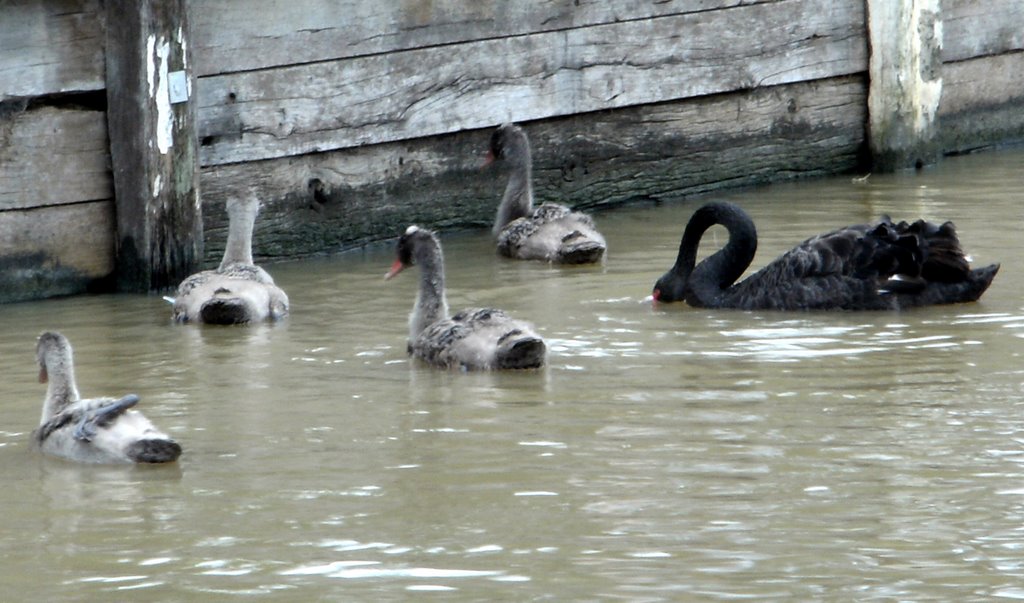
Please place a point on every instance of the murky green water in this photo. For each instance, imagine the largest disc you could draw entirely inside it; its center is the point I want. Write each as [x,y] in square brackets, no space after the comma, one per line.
[666,454]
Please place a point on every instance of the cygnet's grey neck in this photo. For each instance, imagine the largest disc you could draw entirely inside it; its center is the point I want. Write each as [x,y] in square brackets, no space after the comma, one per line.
[61,390]
[431,303]
[241,221]
[518,199]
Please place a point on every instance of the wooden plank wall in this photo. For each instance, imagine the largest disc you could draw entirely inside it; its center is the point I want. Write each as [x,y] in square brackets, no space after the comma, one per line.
[56,193]
[982,74]
[355,121]
[354,118]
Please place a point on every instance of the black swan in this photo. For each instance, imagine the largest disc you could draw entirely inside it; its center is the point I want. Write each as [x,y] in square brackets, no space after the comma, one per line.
[551,232]
[238,291]
[95,430]
[476,338]
[881,266]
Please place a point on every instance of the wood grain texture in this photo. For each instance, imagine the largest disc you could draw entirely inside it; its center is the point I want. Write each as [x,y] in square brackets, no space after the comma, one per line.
[981,102]
[905,75]
[974,28]
[259,34]
[50,46]
[53,156]
[55,250]
[440,90]
[153,145]
[654,152]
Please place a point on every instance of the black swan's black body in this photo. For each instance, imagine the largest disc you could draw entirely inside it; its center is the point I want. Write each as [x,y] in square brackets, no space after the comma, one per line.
[880,266]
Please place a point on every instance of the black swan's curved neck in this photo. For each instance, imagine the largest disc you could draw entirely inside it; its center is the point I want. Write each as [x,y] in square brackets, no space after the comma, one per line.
[706,282]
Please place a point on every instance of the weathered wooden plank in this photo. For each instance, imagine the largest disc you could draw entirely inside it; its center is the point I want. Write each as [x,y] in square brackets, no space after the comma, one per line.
[384,98]
[257,34]
[53,156]
[740,139]
[50,46]
[981,102]
[56,250]
[973,28]
[153,144]
[906,82]
[601,159]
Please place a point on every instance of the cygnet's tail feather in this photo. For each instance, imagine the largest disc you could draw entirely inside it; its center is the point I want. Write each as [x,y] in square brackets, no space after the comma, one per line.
[225,311]
[522,353]
[580,251]
[154,451]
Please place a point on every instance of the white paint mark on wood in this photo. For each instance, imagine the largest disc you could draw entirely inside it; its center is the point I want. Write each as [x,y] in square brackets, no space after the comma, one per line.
[150,66]
[162,97]
[182,43]
[157,186]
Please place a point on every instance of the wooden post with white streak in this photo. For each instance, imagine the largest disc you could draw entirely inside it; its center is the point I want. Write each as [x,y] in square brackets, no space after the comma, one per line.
[153,145]
[905,70]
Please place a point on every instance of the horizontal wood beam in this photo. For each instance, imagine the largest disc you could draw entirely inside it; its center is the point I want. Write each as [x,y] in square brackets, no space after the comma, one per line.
[50,47]
[425,92]
[326,202]
[981,103]
[974,29]
[56,250]
[54,156]
[261,34]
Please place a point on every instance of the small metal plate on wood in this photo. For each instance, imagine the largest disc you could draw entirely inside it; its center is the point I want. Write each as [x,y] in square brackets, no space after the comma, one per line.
[177,86]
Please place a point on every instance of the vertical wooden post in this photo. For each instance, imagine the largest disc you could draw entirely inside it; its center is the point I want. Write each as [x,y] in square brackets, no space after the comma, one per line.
[905,70]
[153,145]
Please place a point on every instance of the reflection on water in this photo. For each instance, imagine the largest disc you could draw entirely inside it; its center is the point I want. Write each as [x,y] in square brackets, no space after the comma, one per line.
[665,454]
